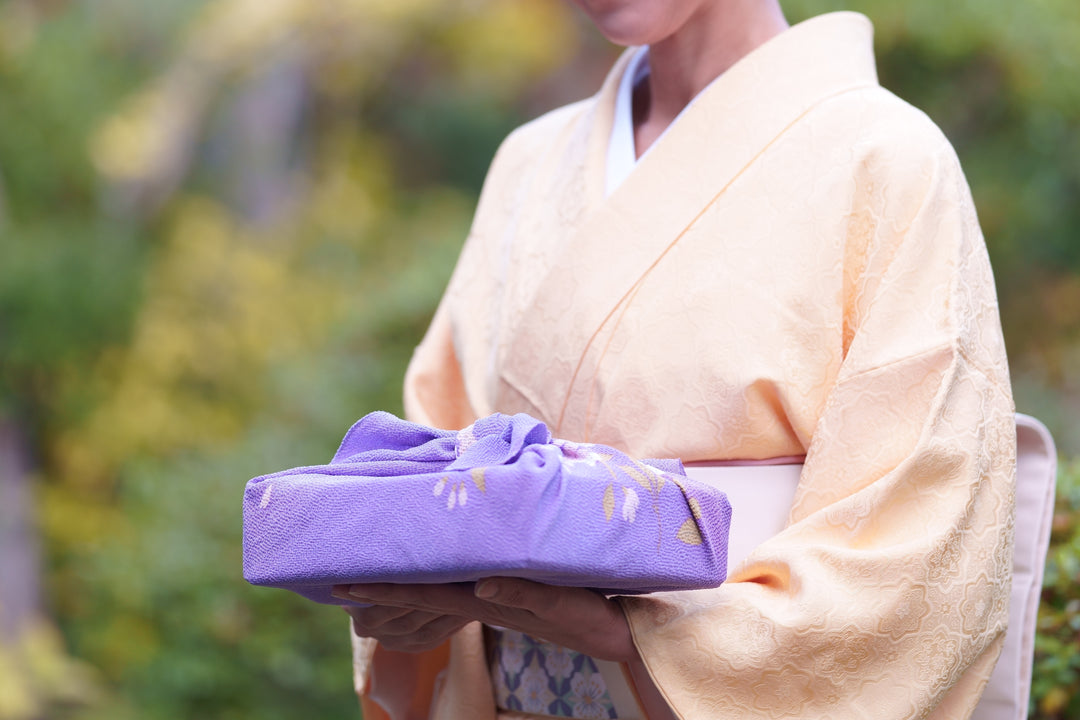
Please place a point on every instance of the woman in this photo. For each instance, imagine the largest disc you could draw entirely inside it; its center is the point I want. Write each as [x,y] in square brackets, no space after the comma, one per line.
[785,261]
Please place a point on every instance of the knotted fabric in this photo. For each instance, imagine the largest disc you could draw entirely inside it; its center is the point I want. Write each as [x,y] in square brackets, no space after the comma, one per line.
[406,503]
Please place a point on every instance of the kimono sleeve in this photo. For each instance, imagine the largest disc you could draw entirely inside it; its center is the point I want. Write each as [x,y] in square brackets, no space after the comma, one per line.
[434,387]
[889,587]
[436,391]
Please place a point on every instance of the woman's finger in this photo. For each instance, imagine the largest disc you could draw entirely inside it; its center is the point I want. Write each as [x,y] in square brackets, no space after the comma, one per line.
[426,637]
[380,620]
[542,600]
[574,617]
[578,618]
[445,599]
[375,616]
[450,599]
[547,602]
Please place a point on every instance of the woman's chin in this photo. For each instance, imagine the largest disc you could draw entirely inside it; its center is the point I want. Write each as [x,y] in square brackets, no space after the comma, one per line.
[627,22]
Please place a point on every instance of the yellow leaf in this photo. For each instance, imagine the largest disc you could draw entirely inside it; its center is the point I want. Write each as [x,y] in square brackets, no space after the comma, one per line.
[651,475]
[478,478]
[689,533]
[609,502]
[638,477]
[695,508]
[1054,701]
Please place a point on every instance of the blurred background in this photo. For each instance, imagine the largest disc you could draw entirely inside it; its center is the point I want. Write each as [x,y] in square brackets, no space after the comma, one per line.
[225,223]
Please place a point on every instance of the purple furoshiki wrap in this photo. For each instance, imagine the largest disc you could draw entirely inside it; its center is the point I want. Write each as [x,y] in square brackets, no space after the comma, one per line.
[406,503]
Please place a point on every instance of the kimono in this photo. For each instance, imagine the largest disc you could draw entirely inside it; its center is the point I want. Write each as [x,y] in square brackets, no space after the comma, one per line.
[794,268]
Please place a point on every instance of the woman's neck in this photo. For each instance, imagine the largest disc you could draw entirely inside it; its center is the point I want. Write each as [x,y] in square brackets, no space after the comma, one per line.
[684,63]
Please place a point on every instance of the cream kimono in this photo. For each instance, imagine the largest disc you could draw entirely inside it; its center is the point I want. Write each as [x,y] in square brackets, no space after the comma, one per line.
[795,268]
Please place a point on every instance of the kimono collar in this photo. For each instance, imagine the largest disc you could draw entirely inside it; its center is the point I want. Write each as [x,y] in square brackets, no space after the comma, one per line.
[729,125]
[822,56]
[622,153]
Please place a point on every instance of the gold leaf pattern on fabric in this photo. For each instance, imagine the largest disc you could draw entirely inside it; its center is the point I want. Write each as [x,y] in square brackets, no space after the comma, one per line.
[656,478]
[478,478]
[695,508]
[609,502]
[689,533]
[638,477]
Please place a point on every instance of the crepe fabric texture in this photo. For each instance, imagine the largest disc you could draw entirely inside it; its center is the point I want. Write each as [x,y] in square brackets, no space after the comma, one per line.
[406,503]
[795,268]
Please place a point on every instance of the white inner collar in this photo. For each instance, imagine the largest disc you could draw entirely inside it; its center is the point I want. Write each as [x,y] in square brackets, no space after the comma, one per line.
[622,152]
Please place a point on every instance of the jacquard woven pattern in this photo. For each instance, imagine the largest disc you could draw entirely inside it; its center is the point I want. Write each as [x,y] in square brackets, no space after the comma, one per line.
[402,502]
[538,677]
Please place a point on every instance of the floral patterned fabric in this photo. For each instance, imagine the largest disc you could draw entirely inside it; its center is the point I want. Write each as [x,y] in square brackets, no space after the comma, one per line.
[403,502]
[541,678]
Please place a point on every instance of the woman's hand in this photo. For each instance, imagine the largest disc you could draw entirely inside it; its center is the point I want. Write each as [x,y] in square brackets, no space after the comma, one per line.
[413,618]
[401,629]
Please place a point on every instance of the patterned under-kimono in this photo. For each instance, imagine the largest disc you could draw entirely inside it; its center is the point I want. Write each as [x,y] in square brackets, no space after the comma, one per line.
[795,268]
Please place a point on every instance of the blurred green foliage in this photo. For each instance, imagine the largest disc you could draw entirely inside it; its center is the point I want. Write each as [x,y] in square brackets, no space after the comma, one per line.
[224,225]
[219,248]
[1055,691]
